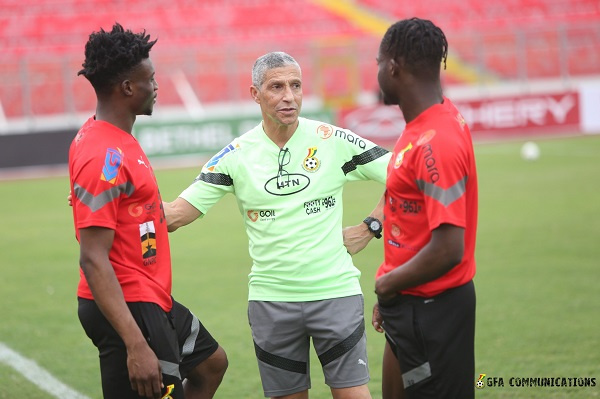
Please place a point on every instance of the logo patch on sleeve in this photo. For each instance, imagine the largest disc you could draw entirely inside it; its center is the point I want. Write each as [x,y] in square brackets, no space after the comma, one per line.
[426,137]
[324,131]
[212,163]
[113,162]
[400,156]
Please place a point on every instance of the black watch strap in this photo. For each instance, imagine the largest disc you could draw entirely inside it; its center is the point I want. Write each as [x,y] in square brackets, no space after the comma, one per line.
[374,225]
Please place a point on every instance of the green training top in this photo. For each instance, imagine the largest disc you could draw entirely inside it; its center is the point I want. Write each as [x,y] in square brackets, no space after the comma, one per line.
[291,202]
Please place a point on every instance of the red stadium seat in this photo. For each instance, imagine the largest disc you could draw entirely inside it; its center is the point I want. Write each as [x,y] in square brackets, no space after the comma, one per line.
[215,42]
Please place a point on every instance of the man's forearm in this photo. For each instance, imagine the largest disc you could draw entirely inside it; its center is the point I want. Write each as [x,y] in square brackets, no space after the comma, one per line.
[179,213]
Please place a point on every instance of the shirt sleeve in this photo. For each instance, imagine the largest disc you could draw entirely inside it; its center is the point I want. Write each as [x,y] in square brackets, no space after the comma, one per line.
[363,159]
[214,181]
[98,183]
[441,171]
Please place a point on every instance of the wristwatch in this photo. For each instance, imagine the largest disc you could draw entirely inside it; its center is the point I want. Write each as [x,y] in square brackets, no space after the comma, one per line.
[374,226]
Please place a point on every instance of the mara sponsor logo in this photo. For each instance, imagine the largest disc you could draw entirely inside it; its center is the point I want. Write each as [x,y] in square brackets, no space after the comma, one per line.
[432,170]
[351,138]
[287,184]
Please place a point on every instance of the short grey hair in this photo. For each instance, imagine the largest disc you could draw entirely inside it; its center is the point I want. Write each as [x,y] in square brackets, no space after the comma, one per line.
[276,59]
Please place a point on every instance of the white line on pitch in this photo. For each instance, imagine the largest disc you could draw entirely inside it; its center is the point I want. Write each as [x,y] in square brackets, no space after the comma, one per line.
[37,375]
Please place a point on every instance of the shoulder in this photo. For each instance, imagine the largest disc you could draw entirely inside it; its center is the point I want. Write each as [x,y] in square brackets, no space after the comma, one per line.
[230,155]
[333,135]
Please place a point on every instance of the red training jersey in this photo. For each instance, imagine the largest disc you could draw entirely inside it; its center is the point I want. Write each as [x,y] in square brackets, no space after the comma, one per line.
[432,180]
[114,186]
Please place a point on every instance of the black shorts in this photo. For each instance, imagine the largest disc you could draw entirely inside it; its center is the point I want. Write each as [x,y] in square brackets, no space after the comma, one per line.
[433,339]
[178,338]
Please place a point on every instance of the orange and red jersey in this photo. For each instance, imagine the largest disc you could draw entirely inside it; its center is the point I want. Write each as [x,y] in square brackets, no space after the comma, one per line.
[432,180]
[114,186]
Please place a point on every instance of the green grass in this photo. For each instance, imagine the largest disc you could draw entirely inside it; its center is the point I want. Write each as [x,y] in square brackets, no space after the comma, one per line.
[537,282]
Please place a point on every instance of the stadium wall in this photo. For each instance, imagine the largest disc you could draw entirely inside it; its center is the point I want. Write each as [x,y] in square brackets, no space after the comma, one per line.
[505,115]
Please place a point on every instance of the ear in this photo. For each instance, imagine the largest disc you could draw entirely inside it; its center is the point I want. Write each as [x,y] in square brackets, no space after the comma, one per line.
[126,87]
[394,66]
[254,94]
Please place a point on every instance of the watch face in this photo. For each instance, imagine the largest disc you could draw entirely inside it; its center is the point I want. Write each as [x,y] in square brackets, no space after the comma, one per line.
[374,225]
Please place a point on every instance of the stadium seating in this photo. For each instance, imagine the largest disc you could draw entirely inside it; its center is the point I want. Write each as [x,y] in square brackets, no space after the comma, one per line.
[210,45]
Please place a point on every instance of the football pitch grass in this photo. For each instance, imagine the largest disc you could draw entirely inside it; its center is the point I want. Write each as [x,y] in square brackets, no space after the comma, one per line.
[538,256]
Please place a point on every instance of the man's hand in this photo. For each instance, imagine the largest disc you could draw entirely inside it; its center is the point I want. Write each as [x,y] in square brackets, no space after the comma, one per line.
[377,320]
[383,287]
[145,375]
[356,238]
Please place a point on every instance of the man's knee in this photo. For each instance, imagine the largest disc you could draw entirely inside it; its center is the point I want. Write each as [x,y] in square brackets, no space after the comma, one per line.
[210,371]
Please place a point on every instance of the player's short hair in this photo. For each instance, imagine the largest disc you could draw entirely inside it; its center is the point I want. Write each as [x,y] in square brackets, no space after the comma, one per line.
[110,56]
[276,59]
[421,44]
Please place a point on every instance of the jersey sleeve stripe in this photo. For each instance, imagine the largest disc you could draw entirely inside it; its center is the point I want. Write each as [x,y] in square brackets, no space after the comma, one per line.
[363,159]
[445,196]
[219,179]
[95,202]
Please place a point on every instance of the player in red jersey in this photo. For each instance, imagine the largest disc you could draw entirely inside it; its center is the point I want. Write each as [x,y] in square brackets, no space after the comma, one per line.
[426,297]
[149,344]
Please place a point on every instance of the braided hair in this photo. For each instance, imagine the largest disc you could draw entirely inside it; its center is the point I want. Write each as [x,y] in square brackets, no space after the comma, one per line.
[421,44]
[110,56]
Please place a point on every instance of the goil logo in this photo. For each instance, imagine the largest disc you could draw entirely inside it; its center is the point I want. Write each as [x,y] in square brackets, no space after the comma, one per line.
[252,215]
[135,209]
[268,214]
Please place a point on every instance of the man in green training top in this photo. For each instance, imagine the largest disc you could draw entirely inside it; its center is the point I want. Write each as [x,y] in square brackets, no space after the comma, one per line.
[287,175]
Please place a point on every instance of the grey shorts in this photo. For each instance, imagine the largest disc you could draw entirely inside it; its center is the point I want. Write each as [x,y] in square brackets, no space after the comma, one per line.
[282,331]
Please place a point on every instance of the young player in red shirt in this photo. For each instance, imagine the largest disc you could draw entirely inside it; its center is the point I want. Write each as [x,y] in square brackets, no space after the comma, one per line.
[149,345]
[426,297]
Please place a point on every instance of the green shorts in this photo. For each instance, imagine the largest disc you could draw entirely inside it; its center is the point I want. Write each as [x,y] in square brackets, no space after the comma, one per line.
[282,331]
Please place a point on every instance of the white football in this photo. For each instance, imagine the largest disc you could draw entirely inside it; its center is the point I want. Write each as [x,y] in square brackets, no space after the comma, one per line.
[530,151]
